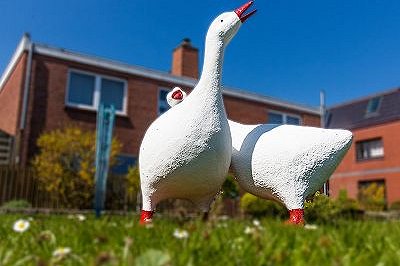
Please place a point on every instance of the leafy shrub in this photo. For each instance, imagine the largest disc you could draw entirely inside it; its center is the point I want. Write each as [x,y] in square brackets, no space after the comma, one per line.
[132,183]
[395,206]
[65,165]
[323,209]
[230,188]
[257,207]
[16,204]
[347,207]
[372,197]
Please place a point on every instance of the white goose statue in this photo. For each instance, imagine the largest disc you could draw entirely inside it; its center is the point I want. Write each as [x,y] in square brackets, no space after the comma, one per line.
[285,163]
[186,152]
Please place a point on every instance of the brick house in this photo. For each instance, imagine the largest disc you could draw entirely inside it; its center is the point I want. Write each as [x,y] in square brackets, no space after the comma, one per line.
[374,156]
[44,88]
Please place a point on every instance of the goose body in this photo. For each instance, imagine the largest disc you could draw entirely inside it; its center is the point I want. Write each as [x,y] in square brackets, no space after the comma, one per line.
[186,152]
[285,163]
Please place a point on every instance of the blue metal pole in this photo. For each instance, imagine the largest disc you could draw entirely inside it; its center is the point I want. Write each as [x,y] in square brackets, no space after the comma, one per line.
[105,124]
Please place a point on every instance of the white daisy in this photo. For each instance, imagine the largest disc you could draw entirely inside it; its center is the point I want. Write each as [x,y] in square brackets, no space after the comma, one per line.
[181,234]
[310,227]
[21,225]
[61,252]
[256,223]
[249,230]
[81,217]
[237,243]
[222,225]
[224,217]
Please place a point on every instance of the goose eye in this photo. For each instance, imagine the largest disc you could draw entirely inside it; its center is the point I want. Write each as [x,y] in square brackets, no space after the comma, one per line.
[222,20]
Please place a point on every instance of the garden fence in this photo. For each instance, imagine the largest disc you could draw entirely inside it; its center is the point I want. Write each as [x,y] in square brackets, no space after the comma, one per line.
[21,184]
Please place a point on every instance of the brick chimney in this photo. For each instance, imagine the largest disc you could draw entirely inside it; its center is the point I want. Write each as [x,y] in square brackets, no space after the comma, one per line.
[185,60]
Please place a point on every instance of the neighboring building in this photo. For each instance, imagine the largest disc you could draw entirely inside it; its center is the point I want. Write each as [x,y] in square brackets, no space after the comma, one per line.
[374,156]
[44,88]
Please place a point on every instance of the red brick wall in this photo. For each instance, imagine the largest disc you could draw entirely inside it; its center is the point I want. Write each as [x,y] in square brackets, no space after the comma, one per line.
[249,112]
[350,172]
[311,120]
[11,98]
[47,110]
[244,111]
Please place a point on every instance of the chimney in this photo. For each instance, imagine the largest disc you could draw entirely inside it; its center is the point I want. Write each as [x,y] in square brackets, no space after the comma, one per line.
[185,60]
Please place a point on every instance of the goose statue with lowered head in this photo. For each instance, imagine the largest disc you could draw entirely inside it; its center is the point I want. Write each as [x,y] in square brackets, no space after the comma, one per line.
[285,163]
[186,152]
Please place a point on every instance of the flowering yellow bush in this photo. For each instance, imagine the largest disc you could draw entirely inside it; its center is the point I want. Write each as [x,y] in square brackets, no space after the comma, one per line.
[372,197]
[65,165]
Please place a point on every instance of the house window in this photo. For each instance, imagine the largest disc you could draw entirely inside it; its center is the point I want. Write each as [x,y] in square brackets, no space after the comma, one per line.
[87,90]
[274,118]
[373,105]
[112,92]
[292,120]
[81,88]
[162,101]
[282,118]
[369,149]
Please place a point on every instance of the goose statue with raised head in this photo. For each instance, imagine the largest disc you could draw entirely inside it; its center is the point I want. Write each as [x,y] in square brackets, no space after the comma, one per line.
[285,163]
[186,152]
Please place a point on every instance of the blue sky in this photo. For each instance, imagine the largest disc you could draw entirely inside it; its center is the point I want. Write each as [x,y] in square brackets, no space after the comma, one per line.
[289,50]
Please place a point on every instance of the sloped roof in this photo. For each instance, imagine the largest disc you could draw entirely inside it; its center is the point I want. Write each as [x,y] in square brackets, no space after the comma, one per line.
[354,114]
[141,71]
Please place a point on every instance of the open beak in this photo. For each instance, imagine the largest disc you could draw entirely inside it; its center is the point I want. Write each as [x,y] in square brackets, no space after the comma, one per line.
[240,11]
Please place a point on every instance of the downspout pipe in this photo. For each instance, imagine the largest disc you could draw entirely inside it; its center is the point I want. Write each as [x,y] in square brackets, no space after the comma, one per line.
[29,48]
[322,107]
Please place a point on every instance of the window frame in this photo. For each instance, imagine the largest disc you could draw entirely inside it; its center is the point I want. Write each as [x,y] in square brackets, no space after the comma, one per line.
[97,91]
[159,101]
[285,115]
[359,142]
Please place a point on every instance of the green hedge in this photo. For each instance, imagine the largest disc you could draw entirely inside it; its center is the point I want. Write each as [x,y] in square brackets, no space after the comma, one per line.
[320,209]
[257,207]
[16,204]
[323,209]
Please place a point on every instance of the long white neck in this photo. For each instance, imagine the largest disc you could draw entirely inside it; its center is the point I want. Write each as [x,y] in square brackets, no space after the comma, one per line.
[210,79]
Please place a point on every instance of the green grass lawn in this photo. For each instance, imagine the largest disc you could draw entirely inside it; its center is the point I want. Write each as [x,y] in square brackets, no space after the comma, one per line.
[118,240]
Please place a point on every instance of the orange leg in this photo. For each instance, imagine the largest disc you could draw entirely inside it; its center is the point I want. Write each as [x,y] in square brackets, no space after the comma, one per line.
[296,217]
[146,217]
